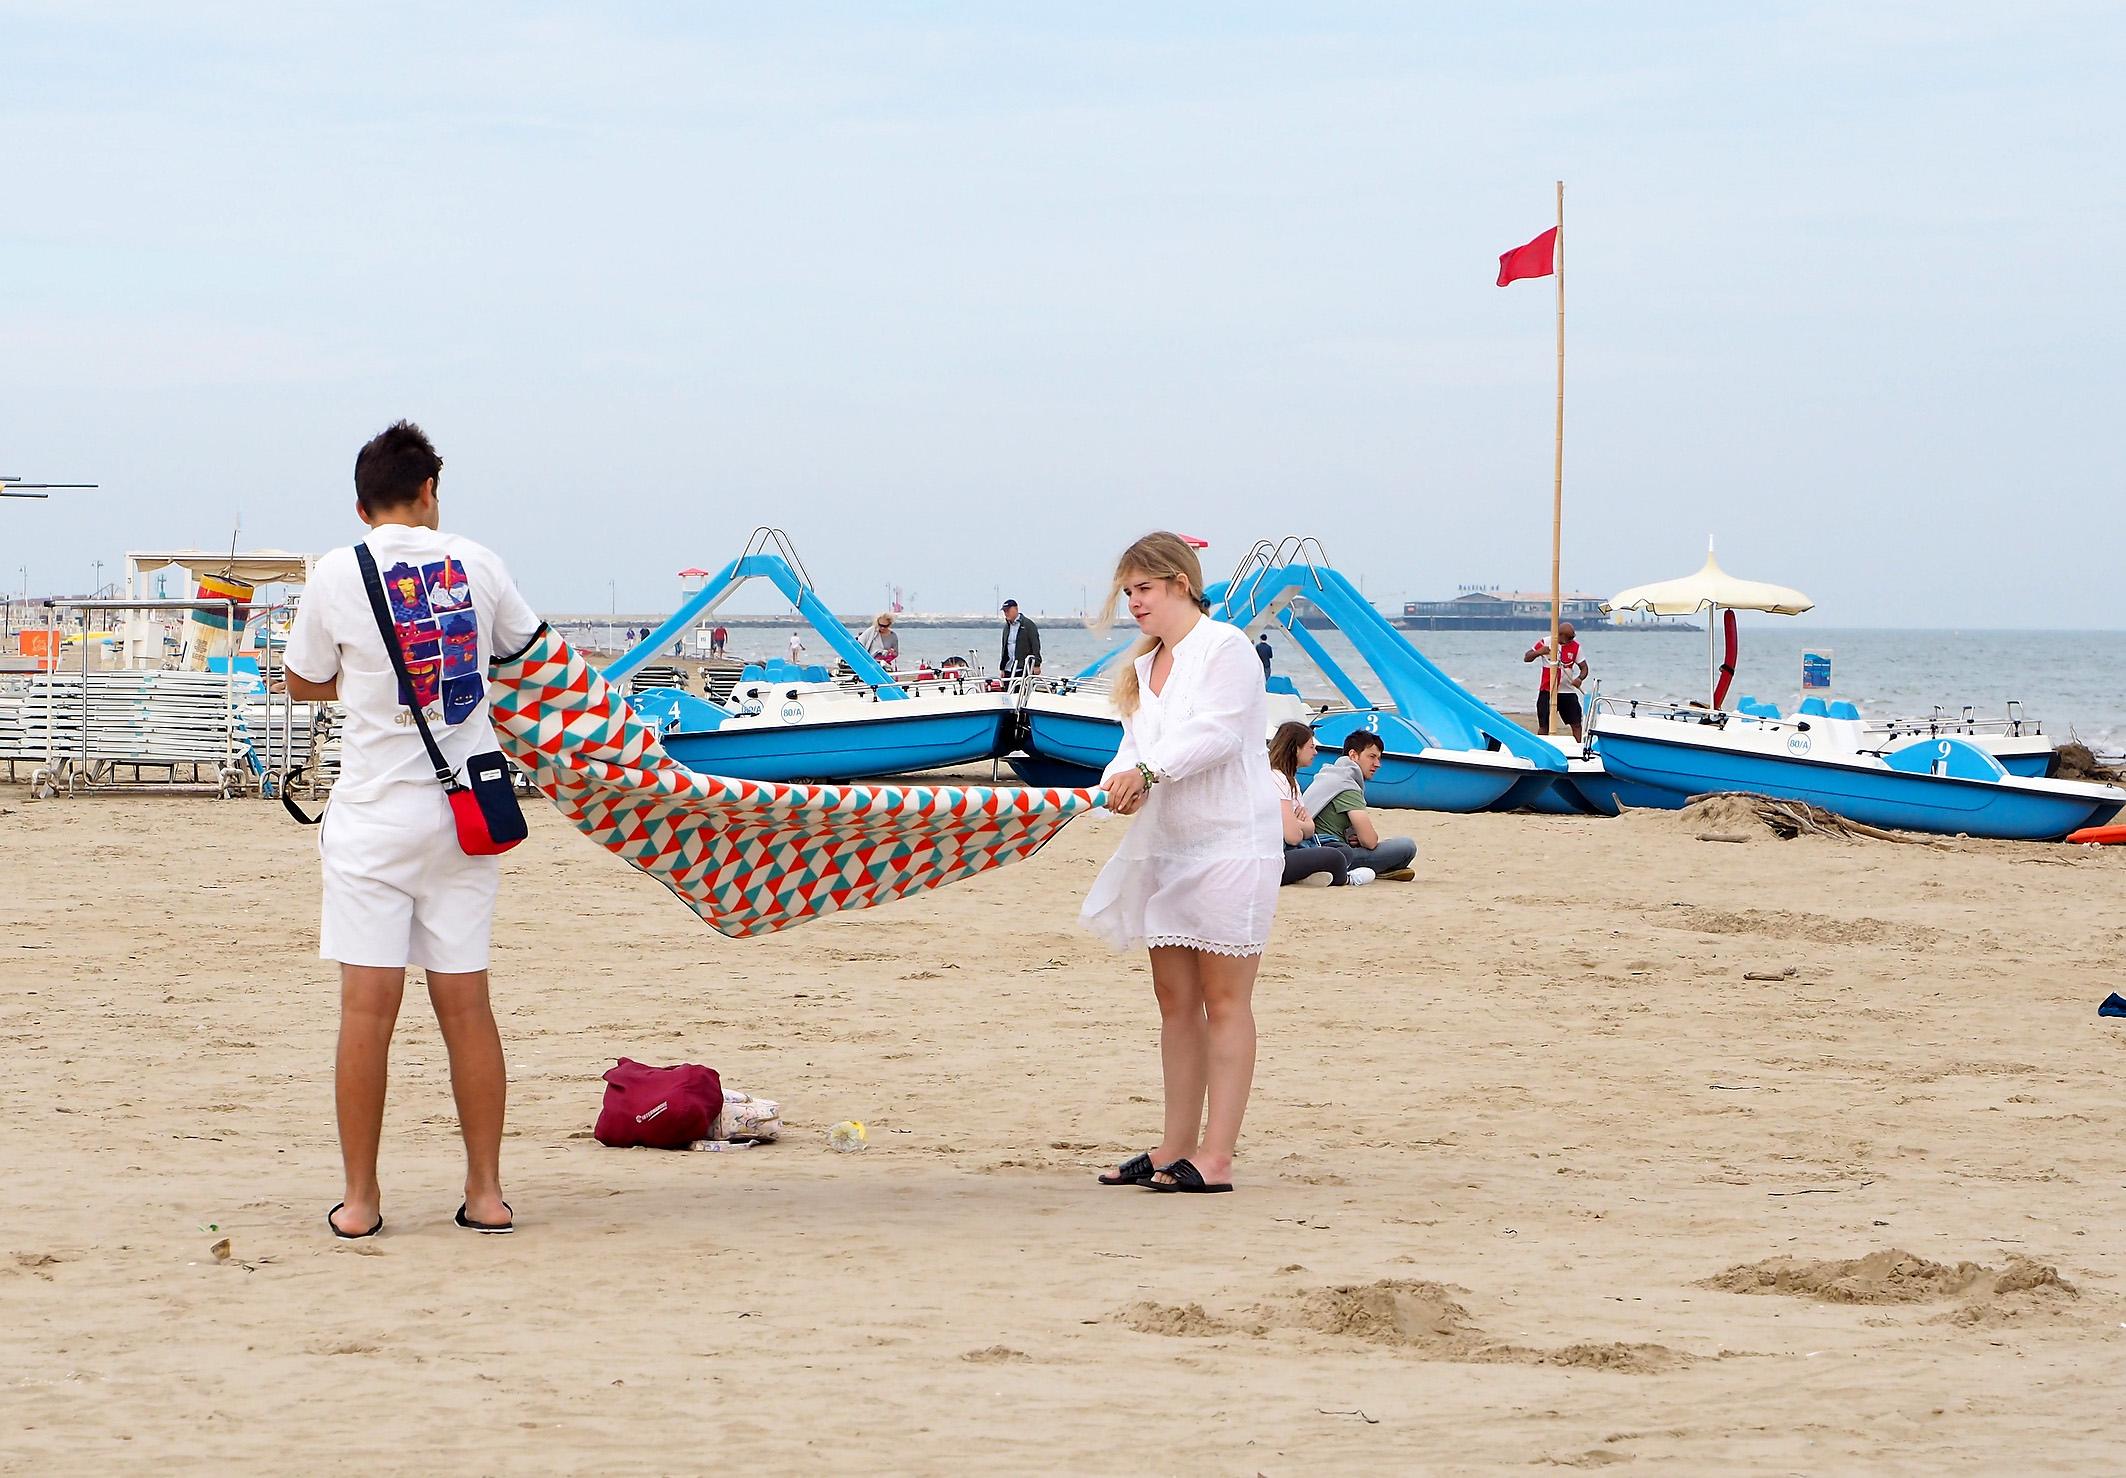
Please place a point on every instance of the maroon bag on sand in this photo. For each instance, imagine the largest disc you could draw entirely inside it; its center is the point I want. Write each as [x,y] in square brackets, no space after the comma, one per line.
[663,1108]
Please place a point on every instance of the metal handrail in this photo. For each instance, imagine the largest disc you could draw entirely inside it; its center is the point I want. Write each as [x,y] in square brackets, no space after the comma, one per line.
[2015,725]
[1259,562]
[1664,708]
[766,535]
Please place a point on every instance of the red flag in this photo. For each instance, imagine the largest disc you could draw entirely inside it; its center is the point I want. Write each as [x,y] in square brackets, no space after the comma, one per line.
[1539,258]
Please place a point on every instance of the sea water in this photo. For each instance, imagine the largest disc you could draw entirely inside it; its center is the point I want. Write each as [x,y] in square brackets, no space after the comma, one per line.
[2062,678]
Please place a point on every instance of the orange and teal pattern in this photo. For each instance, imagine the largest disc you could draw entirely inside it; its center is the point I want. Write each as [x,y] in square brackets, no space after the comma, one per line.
[747,856]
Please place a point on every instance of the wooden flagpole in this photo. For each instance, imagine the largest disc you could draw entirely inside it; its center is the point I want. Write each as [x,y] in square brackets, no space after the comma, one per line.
[1557,474]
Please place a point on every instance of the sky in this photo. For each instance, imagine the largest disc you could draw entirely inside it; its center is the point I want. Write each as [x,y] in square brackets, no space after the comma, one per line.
[966,297]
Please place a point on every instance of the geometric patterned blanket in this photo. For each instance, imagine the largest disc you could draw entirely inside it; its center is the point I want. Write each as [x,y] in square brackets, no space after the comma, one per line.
[747,856]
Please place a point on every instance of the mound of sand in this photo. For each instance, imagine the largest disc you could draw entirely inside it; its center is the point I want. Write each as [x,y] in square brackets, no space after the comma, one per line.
[1737,816]
[1623,1358]
[1719,815]
[2018,1291]
[2023,1293]
[1180,1321]
[1892,1277]
[1406,1314]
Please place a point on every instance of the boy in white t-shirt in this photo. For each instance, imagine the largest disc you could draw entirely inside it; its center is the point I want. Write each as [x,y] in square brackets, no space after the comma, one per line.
[398,890]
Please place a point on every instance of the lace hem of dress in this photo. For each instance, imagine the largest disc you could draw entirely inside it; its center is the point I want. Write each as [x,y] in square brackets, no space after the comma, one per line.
[1185,941]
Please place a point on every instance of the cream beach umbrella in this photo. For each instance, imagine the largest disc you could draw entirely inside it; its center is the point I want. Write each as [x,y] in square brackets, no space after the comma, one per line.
[1712,590]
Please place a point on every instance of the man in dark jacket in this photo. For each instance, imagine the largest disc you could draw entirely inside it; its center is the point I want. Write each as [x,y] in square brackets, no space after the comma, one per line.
[1022,643]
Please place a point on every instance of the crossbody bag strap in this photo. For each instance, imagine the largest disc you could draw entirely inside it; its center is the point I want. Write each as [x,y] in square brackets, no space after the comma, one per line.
[381,609]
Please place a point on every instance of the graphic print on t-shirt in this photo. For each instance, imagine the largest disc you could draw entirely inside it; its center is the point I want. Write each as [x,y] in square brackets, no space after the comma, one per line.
[461,644]
[427,683]
[421,643]
[406,592]
[461,695]
[450,597]
[448,589]
[431,608]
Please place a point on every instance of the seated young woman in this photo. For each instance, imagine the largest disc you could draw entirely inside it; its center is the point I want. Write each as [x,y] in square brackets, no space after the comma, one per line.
[1292,750]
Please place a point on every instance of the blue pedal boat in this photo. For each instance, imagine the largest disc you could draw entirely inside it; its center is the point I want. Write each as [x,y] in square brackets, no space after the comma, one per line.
[1826,754]
[788,724]
[1662,755]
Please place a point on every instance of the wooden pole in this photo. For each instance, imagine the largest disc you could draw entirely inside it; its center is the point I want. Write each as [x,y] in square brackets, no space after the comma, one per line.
[1557,475]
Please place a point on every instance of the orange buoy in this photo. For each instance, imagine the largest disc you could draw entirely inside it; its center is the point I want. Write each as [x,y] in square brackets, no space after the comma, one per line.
[2099,836]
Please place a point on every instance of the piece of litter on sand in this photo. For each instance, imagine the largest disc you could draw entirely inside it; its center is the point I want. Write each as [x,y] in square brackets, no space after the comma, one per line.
[1371,1421]
[220,1250]
[1823,1190]
[1736,1087]
[1786,973]
[1721,836]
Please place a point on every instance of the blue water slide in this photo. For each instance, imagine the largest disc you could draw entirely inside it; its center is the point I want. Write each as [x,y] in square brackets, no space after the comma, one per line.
[777,571]
[1441,710]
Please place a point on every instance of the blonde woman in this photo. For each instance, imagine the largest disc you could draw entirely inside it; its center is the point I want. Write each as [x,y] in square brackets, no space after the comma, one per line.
[1195,880]
[882,641]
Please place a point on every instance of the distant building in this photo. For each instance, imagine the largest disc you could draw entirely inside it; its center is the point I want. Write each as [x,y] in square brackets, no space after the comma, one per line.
[1502,610]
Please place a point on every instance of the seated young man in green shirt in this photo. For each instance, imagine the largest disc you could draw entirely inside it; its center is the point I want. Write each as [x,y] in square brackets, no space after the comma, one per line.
[1337,801]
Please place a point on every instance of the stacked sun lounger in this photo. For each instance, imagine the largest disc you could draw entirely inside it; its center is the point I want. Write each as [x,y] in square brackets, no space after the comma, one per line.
[656,675]
[13,743]
[92,725]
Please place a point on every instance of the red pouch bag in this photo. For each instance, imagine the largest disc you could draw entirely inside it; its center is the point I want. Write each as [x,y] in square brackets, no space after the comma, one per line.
[662,1108]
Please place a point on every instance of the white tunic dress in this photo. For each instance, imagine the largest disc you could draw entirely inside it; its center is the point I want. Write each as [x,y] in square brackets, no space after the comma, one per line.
[1203,859]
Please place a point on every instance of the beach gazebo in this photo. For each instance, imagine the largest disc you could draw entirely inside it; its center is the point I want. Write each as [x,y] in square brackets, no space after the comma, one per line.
[213,573]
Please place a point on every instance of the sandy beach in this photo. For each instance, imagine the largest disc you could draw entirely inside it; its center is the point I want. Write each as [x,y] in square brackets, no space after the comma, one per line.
[1533,1174]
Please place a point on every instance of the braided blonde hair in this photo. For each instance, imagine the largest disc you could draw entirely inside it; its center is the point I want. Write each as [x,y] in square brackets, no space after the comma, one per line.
[1160,556]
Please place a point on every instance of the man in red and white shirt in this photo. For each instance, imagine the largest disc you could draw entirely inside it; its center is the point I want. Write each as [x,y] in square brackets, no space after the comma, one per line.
[1575,671]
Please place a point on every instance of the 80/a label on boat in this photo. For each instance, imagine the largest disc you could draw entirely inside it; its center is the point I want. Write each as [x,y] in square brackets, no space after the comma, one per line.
[793,712]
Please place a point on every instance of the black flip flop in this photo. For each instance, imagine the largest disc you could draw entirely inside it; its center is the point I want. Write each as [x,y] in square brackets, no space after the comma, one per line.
[1136,1170]
[490,1228]
[351,1236]
[1188,1180]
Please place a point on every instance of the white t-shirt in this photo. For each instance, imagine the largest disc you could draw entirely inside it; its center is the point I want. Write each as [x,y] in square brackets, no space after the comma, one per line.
[455,608]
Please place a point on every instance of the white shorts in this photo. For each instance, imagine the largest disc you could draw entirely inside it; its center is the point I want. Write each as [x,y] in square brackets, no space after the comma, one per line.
[398,891]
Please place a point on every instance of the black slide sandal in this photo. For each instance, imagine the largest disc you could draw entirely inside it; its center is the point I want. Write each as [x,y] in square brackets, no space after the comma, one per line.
[489,1228]
[1136,1170]
[1187,1179]
[351,1236]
